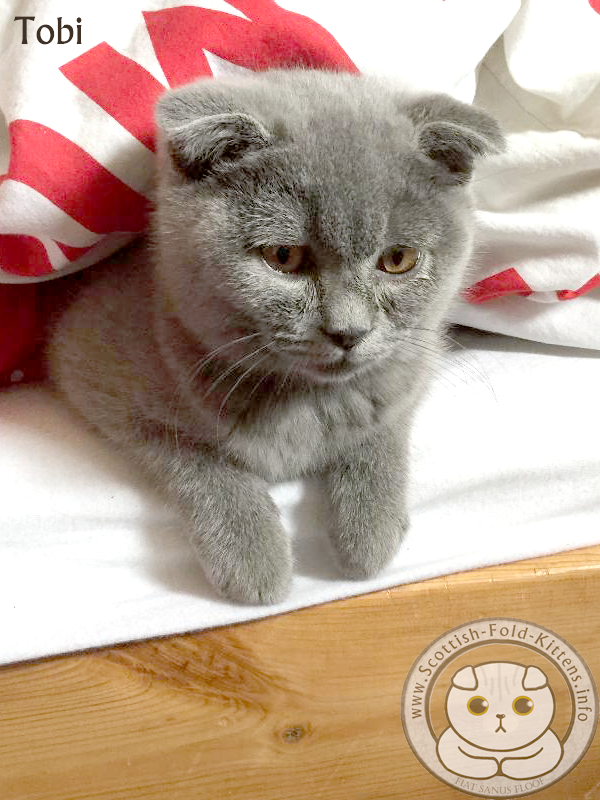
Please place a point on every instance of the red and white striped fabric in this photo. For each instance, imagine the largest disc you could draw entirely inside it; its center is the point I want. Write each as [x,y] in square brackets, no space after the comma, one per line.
[76,151]
[538,265]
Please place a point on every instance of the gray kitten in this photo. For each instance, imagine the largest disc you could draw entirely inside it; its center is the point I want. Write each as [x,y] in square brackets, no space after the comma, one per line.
[310,232]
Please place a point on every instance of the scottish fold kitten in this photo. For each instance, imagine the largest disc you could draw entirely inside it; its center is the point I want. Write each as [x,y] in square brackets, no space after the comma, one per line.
[310,232]
[500,715]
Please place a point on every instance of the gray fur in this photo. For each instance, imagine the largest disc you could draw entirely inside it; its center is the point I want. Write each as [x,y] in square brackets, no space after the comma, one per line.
[214,372]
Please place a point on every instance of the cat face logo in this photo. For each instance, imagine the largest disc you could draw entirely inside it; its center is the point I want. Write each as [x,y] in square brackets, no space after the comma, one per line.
[487,725]
[500,715]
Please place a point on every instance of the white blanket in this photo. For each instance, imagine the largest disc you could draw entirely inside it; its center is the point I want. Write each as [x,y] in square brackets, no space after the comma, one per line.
[76,146]
[506,465]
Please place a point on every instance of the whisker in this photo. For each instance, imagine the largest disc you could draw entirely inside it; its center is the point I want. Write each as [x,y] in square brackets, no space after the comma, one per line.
[256,385]
[443,376]
[196,369]
[275,395]
[474,370]
[234,367]
[234,387]
[247,403]
[477,371]
[431,369]
[171,426]
[281,386]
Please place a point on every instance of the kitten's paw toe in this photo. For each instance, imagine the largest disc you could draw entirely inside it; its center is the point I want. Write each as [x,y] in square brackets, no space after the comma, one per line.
[360,567]
[266,588]
[257,577]
[365,555]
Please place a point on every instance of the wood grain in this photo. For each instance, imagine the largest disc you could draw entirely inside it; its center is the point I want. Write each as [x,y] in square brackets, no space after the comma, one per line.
[305,705]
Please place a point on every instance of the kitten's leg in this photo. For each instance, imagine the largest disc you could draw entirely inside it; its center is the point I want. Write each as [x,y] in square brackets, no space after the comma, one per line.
[368,514]
[235,526]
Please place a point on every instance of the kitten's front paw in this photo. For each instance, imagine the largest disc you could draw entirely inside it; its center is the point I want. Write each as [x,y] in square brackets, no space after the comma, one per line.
[364,547]
[260,573]
[368,510]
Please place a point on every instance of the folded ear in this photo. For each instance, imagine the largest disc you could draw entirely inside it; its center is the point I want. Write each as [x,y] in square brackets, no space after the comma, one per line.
[454,135]
[465,678]
[534,678]
[198,137]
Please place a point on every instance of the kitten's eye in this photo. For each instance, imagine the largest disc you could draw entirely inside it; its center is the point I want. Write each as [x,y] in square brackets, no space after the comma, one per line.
[283,257]
[398,259]
[478,705]
[523,706]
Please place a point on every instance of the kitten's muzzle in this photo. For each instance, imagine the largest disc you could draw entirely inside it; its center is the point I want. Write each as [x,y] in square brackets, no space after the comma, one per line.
[500,727]
[332,357]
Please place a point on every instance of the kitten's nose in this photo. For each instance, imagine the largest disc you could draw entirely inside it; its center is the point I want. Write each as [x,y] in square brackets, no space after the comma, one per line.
[346,339]
[500,716]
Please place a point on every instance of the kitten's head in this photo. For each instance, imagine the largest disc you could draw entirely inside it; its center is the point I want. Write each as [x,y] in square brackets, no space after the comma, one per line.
[327,214]
[500,705]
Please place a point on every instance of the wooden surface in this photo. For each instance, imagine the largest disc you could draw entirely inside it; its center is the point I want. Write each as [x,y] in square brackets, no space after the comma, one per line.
[303,706]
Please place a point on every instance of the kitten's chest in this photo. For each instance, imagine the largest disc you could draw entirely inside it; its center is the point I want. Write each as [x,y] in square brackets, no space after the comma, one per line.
[304,434]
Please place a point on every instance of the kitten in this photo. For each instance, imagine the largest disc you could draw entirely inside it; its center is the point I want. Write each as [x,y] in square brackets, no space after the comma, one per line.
[500,715]
[310,232]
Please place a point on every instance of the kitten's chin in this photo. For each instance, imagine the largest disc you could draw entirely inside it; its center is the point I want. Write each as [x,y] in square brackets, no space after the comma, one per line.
[338,372]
